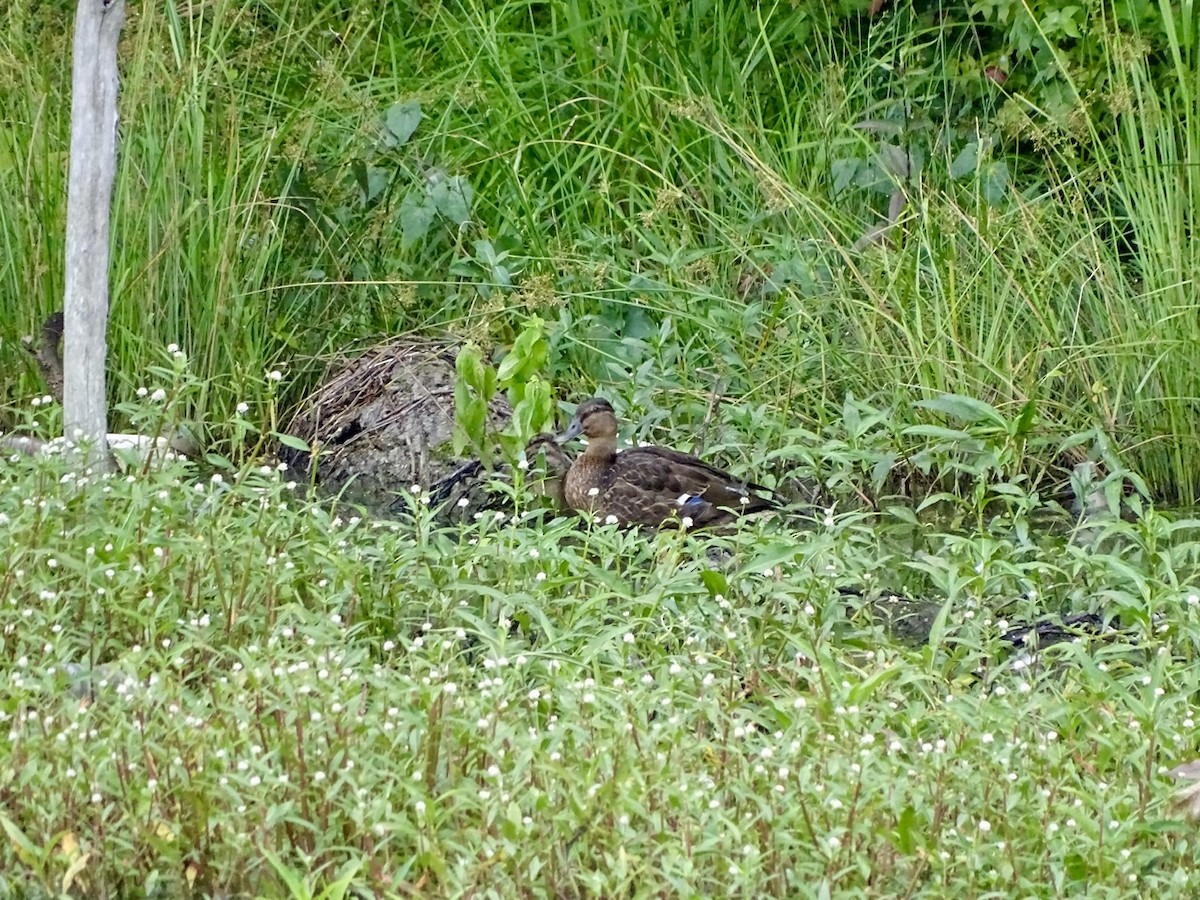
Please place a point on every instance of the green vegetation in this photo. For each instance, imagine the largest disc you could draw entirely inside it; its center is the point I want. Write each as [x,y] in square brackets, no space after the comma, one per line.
[925,258]
[678,196]
[289,700]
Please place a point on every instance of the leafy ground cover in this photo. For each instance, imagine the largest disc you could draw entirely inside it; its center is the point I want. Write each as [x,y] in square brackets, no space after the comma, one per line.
[213,683]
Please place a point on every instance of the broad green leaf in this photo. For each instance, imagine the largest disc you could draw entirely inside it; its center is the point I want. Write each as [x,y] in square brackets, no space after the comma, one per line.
[895,161]
[416,215]
[26,850]
[715,581]
[966,161]
[402,120]
[452,198]
[844,172]
[527,356]
[293,442]
[377,182]
[906,831]
[995,182]
[470,366]
[903,513]
[337,889]
[372,181]
[965,409]
[881,470]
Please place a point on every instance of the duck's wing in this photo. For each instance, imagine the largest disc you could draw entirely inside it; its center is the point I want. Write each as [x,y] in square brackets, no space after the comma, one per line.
[651,495]
[649,485]
[699,479]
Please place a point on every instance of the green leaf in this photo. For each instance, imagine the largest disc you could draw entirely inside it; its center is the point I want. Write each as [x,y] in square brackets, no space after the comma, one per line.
[337,889]
[217,461]
[903,513]
[894,160]
[522,419]
[470,368]
[771,556]
[996,180]
[452,198]
[965,409]
[906,831]
[295,443]
[297,888]
[966,161]
[1027,417]
[844,172]
[1077,867]
[939,624]
[416,215]
[470,416]
[402,120]
[881,470]
[26,850]
[372,181]
[864,690]
[716,582]
[935,431]
[527,356]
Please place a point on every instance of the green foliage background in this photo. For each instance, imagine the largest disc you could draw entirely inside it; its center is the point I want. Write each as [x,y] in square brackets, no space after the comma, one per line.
[678,190]
[939,248]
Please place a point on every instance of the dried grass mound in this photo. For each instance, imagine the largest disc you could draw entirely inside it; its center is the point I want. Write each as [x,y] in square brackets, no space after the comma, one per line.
[384,421]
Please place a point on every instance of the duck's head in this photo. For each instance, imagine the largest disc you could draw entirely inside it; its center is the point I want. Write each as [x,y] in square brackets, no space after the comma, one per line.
[557,462]
[594,418]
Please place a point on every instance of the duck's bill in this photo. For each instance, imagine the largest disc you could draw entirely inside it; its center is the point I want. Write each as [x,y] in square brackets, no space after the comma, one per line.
[574,430]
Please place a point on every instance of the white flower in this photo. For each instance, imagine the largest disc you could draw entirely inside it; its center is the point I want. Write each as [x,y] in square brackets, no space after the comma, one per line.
[243,408]
[274,375]
[159,395]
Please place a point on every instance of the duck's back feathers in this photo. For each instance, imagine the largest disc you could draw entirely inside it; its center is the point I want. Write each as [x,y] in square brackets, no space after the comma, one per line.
[654,485]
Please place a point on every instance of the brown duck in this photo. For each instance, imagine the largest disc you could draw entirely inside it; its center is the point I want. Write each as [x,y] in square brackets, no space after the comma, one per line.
[649,486]
[556,466]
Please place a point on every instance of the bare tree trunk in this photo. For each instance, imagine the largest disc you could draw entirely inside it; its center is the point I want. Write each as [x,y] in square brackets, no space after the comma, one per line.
[93,164]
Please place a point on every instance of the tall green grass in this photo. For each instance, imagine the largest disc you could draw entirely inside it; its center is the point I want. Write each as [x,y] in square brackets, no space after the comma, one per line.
[663,181]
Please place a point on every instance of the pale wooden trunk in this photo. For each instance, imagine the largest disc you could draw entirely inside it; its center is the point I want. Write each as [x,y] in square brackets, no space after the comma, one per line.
[93,163]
